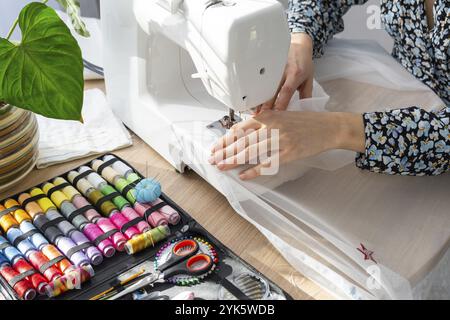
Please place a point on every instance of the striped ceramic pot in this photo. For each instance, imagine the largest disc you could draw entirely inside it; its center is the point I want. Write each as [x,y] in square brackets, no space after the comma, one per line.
[18,144]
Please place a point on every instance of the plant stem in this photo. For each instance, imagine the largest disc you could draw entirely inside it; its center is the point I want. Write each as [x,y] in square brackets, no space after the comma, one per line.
[15,24]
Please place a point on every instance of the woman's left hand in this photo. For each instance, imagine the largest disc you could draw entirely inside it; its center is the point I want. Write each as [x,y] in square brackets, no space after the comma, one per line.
[300,135]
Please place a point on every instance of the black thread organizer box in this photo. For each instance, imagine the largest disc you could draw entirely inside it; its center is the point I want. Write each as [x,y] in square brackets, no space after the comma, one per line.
[231,278]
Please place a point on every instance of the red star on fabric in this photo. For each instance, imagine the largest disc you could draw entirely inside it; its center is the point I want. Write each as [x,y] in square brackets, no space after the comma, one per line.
[367,253]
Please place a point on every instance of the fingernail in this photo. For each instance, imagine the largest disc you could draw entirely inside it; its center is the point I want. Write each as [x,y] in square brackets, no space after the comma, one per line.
[211,160]
[221,164]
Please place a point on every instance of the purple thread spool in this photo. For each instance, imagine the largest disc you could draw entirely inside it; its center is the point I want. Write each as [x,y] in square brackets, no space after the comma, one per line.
[94,255]
[91,214]
[119,220]
[93,232]
[130,214]
[117,238]
[78,258]
[155,218]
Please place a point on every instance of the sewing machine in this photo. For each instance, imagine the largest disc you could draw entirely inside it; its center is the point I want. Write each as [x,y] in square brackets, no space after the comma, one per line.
[172,61]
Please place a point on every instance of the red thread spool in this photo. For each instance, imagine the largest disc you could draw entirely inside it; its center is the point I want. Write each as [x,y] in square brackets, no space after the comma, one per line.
[36,279]
[23,288]
[37,259]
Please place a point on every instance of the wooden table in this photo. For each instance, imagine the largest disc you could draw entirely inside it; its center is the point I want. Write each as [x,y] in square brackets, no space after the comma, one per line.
[207,206]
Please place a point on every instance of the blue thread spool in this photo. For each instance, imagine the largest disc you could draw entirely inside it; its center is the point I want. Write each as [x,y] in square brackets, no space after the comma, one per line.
[3,260]
[10,252]
[37,239]
[25,246]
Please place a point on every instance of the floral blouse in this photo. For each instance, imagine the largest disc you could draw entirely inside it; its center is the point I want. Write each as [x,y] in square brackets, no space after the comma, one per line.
[409,141]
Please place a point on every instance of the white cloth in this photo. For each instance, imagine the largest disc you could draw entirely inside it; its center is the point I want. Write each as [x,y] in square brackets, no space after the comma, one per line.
[101,132]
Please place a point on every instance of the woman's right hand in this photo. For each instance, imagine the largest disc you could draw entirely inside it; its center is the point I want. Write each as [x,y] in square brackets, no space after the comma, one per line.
[298,74]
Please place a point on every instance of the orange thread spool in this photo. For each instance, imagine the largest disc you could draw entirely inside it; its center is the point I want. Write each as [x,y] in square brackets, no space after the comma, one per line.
[32,208]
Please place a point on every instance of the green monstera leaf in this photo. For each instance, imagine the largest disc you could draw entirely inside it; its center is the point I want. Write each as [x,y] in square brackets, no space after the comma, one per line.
[44,72]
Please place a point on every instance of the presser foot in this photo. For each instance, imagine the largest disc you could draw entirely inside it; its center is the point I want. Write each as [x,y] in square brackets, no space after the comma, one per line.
[225,123]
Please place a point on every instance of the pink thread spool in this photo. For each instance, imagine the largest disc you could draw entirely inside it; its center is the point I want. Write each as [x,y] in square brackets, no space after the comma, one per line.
[155,218]
[117,238]
[130,214]
[79,202]
[93,232]
[170,213]
[119,220]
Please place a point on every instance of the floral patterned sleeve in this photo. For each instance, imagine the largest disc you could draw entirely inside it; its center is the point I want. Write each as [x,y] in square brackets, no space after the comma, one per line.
[407,141]
[319,19]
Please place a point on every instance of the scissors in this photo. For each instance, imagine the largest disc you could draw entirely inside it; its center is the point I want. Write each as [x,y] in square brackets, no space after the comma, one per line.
[184,258]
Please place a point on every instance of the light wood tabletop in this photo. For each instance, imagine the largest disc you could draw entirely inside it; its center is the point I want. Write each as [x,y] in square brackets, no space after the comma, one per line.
[210,208]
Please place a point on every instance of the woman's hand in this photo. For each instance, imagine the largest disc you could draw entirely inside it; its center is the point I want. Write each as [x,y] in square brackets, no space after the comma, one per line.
[298,74]
[301,135]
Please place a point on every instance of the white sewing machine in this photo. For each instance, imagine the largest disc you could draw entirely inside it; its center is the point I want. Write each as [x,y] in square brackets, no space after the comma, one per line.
[172,61]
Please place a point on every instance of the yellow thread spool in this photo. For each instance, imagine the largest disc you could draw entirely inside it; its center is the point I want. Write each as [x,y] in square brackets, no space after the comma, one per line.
[32,208]
[44,203]
[69,191]
[7,221]
[57,197]
[107,207]
[19,214]
[147,239]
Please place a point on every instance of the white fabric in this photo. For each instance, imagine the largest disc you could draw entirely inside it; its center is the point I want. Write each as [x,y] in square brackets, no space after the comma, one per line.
[318,212]
[61,141]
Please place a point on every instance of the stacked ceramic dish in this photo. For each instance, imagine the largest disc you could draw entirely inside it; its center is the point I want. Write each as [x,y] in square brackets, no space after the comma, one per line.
[18,144]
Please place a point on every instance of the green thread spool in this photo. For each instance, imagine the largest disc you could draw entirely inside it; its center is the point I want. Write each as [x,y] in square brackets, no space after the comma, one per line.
[120,184]
[107,207]
[133,177]
[119,201]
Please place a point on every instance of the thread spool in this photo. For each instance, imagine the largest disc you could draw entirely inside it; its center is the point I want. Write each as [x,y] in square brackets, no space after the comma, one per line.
[119,201]
[51,252]
[19,214]
[120,167]
[45,203]
[38,259]
[65,226]
[155,218]
[78,258]
[131,215]
[32,208]
[36,279]
[115,179]
[10,252]
[120,221]
[93,232]
[107,208]
[37,239]
[7,221]
[65,206]
[52,233]
[91,214]
[147,239]
[23,288]
[25,246]
[117,237]
[69,190]
[69,281]
[80,222]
